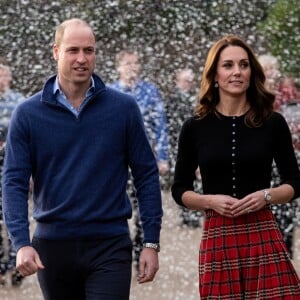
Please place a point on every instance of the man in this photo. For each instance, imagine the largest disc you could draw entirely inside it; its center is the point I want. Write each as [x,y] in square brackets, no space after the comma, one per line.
[8,100]
[180,106]
[149,100]
[77,138]
[151,105]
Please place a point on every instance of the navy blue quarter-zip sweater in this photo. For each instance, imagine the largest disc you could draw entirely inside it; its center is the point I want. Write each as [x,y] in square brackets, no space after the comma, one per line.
[79,167]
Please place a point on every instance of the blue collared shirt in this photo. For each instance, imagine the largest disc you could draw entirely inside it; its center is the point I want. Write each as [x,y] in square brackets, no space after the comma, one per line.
[61,97]
[8,101]
[153,112]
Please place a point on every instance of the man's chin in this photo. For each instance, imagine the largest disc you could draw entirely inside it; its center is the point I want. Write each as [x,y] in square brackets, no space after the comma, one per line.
[81,80]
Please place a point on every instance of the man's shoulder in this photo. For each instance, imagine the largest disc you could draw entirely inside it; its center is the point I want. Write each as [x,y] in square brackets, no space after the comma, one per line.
[31,100]
[114,91]
[119,96]
[147,84]
[114,84]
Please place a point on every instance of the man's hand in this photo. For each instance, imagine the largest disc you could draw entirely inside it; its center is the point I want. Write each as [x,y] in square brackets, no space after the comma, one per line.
[28,261]
[148,265]
[163,167]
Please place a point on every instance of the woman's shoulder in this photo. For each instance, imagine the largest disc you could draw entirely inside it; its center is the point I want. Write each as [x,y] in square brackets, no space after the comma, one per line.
[277,122]
[195,123]
[276,117]
[191,121]
[195,120]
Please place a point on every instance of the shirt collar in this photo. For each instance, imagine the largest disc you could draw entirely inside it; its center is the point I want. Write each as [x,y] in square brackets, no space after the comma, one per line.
[125,87]
[56,88]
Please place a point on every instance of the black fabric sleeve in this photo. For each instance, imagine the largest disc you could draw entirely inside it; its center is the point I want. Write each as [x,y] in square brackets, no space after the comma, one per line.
[284,156]
[186,163]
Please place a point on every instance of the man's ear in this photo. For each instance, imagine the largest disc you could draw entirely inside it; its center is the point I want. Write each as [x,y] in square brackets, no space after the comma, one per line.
[55,52]
[118,69]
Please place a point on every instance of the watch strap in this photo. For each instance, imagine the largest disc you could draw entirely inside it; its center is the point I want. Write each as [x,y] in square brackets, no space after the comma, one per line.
[154,246]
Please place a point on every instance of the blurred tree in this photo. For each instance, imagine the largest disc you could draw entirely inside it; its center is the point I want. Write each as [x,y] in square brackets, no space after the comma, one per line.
[282,32]
[169,34]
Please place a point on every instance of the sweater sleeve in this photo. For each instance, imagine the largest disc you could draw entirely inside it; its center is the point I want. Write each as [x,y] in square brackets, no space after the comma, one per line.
[186,163]
[15,182]
[144,169]
[284,157]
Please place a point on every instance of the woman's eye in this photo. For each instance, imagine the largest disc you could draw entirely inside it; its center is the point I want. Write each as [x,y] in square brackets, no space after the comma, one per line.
[227,65]
[244,65]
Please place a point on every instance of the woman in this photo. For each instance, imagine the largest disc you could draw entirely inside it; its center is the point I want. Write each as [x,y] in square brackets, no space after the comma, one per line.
[233,138]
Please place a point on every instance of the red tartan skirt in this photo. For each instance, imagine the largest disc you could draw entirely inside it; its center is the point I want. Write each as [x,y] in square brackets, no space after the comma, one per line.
[245,258]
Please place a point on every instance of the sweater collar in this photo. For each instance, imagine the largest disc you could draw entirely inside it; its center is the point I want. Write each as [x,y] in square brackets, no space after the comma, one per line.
[48,94]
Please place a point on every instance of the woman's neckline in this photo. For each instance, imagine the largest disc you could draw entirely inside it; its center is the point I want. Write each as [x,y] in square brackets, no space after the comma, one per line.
[232,115]
[232,110]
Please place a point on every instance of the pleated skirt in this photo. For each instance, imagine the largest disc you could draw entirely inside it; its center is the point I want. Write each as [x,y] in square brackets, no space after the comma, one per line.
[245,258]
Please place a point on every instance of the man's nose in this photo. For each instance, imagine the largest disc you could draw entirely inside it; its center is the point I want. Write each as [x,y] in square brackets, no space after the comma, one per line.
[81,57]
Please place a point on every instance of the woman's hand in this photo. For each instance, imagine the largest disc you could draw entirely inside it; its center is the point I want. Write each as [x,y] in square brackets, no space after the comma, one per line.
[251,203]
[223,204]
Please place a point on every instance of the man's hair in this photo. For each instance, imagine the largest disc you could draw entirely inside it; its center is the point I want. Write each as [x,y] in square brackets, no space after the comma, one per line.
[60,29]
[4,65]
[267,60]
[122,53]
[3,62]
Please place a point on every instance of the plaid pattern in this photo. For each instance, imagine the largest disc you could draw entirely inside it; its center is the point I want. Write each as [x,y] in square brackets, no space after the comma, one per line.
[245,258]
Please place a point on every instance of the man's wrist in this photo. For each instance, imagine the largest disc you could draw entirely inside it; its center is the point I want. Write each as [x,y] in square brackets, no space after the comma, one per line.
[154,246]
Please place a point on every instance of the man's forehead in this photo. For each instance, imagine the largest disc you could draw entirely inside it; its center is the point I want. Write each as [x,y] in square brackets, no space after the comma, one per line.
[78,35]
[130,57]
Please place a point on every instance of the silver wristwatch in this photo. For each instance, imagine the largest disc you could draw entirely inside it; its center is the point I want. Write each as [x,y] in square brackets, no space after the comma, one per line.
[267,196]
[154,246]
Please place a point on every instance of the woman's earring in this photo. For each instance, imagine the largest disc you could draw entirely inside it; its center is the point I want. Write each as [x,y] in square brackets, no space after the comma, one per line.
[216,84]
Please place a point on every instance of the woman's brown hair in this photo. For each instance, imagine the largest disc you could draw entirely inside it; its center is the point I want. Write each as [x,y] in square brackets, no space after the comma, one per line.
[260,99]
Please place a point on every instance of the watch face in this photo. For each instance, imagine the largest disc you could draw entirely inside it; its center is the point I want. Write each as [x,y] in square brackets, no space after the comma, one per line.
[268,197]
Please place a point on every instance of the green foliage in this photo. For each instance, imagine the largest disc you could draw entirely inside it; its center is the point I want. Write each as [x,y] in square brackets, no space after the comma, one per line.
[282,32]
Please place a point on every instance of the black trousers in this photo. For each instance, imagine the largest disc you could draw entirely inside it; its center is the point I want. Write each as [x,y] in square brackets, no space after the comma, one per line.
[89,269]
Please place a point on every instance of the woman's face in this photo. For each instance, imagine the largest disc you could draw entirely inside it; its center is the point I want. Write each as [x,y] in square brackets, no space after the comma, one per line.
[233,72]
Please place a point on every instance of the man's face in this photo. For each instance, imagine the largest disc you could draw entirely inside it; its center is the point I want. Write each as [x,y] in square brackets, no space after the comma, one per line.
[76,55]
[129,68]
[185,80]
[5,78]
